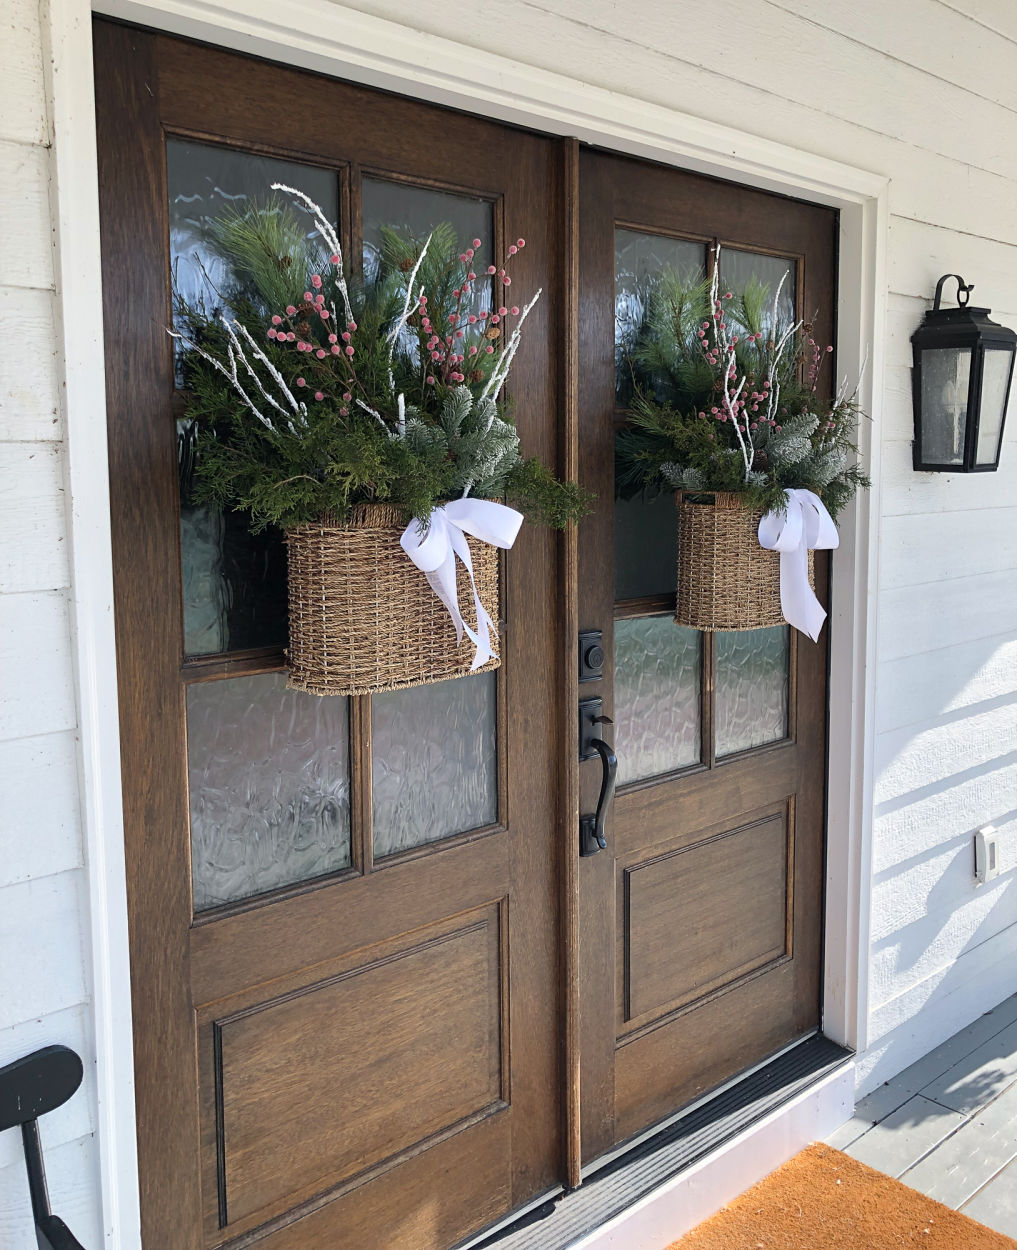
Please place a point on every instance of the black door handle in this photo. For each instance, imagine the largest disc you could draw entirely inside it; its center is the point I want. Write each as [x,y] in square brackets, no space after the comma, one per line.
[591,828]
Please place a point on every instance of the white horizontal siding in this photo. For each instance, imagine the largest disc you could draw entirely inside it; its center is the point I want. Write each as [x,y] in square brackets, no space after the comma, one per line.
[29,387]
[35,659]
[71,1027]
[969,674]
[32,516]
[24,116]
[39,813]
[73,1183]
[26,244]
[44,990]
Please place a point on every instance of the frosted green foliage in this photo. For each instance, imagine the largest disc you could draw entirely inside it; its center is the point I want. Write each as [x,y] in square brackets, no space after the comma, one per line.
[792,443]
[679,478]
[483,448]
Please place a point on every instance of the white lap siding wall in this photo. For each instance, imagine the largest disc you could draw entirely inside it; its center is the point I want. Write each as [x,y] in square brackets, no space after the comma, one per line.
[44,992]
[923,93]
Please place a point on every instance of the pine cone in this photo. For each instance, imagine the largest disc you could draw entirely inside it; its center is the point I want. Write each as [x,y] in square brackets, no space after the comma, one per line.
[407,264]
[492,332]
[303,329]
[477,375]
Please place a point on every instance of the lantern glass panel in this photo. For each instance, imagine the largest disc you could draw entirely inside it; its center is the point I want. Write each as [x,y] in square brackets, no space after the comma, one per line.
[946,377]
[995,383]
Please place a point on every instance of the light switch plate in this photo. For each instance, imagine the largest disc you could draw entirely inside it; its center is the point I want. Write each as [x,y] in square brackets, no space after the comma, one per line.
[986,854]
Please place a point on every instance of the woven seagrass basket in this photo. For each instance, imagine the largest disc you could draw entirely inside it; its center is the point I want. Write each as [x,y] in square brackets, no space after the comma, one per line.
[726,580]
[363,617]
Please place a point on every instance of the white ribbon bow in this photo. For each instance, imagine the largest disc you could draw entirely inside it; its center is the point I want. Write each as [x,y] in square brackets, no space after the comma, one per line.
[433,549]
[805,525]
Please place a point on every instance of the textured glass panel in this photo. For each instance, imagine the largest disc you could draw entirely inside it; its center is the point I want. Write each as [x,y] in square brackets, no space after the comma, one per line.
[751,688]
[269,786]
[645,546]
[656,697]
[234,583]
[995,379]
[946,373]
[738,269]
[433,747]
[434,762]
[638,261]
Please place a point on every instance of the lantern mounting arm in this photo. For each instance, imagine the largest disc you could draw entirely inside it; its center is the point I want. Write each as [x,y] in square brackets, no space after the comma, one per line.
[963,290]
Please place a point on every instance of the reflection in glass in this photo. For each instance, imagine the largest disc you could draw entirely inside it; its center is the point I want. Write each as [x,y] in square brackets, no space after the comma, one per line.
[946,375]
[639,259]
[206,182]
[415,211]
[434,761]
[751,688]
[995,379]
[645,546]
[656,697]
[739,269]
[269,781]
[234,583]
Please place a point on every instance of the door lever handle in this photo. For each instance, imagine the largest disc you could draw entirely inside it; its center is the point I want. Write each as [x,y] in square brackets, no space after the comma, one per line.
[591,828]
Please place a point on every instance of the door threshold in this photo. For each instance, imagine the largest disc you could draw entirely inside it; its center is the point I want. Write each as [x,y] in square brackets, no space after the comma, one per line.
[698,1132]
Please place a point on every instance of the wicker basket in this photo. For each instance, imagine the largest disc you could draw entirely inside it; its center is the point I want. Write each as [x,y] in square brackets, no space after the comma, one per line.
[363,617]
[726,580]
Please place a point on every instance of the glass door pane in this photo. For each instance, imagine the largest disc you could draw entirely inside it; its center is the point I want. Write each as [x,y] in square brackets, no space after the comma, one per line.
[269,786]
[234,582]
[434,749]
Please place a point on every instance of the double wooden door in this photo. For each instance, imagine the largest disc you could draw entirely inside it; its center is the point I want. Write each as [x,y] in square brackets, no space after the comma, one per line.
[357,1023]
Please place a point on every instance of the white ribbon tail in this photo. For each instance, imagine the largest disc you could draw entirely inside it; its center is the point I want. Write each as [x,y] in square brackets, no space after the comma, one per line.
[434,550]
[805,526]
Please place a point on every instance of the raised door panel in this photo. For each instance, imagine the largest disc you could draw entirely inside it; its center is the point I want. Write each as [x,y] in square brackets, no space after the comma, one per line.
[700,917]
[315,1086]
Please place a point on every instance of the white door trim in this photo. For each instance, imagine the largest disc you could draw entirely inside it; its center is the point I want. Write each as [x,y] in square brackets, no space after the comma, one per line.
[334,40]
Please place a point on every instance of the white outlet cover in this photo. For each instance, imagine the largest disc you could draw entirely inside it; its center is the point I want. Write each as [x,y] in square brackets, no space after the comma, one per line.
[986,854]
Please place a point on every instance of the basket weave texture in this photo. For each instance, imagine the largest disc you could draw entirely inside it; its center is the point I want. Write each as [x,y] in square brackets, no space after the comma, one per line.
[363,617]
[726,580]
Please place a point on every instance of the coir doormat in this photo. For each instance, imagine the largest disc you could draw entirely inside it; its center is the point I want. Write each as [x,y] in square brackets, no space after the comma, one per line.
[824,1200]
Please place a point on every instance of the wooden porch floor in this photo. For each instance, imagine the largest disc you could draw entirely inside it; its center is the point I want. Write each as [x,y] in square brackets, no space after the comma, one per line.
[948,1124]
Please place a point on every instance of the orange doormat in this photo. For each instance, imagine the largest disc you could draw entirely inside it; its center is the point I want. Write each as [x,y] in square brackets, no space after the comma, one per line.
[824,1200]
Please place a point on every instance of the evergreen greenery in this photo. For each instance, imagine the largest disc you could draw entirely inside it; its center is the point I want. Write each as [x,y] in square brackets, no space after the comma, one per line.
[727,398]
[311,393]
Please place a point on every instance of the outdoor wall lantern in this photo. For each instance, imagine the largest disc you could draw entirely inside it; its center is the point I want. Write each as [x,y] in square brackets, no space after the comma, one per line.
[963,368]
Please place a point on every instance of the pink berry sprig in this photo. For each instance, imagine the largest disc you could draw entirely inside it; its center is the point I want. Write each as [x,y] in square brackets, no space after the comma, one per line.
[448,348]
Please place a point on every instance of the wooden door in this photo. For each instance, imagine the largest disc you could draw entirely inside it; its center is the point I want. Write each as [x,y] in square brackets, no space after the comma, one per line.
[700,924]
[342,912]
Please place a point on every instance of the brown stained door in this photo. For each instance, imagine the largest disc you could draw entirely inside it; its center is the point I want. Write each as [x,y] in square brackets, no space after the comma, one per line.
[700,929]
[342,912]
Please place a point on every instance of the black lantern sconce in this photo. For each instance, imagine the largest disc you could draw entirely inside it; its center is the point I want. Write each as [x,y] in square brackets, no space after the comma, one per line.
[963,369]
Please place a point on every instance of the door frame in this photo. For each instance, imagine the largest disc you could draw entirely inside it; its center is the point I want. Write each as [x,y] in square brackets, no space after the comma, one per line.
[375,52]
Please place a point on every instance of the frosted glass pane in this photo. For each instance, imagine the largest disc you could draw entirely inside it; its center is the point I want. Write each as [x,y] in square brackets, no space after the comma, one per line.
[751,688]
[656,697]
[995,379]
[434,762]
[269,786]
[946,375]
[739,268]
[234,583]
[639,259]
[645,546]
